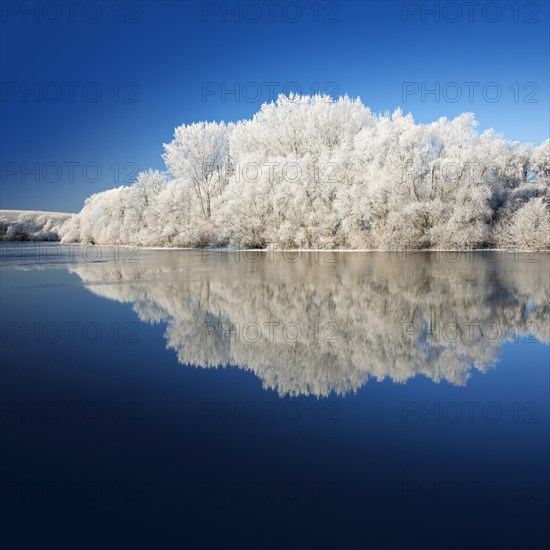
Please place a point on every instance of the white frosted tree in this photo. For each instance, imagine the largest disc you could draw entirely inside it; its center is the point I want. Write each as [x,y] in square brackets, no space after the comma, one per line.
[312,171]
[199,156]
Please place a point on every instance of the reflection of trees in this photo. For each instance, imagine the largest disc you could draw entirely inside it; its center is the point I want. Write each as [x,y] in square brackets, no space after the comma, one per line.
[458,313]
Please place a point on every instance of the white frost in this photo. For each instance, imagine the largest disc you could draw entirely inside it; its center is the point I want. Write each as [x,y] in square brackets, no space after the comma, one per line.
[314,172]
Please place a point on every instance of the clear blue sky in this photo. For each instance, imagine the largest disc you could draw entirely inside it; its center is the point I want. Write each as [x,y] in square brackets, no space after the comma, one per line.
[161,64]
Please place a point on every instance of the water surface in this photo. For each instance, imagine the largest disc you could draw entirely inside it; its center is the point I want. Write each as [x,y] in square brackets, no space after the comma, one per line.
[205,399]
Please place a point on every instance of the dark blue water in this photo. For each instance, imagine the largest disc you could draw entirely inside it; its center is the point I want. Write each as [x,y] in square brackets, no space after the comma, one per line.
[178,399]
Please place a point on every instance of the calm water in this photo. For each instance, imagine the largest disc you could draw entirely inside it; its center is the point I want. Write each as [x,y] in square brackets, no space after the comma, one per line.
[187,399]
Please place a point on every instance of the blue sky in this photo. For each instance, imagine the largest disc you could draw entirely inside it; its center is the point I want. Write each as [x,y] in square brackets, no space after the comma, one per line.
[91,92]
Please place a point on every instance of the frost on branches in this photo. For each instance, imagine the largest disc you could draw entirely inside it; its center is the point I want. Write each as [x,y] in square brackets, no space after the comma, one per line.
[314,172]
[31,225]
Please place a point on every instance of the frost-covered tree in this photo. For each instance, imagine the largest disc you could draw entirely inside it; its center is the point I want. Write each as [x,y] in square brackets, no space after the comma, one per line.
[291,161]
[540,163]
[24,225]
[318,172]
[199,155]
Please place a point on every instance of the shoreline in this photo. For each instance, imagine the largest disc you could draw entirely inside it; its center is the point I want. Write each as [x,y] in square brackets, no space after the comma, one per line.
[281,250]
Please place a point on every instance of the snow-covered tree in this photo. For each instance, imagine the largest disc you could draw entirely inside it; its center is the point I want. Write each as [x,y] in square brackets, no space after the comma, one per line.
[318,172]
[199,155]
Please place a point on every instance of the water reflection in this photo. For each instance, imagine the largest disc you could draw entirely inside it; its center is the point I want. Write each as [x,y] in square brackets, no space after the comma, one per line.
[317,323]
